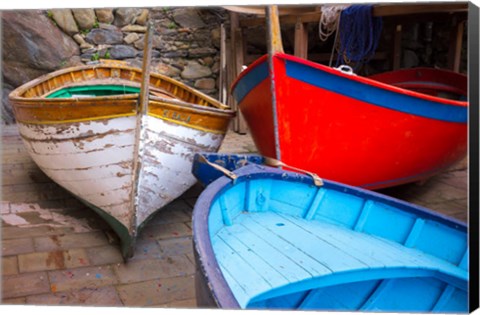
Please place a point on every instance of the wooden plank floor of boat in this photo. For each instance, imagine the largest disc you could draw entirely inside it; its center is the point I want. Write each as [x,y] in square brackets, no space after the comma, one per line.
[263,251]
[55,251]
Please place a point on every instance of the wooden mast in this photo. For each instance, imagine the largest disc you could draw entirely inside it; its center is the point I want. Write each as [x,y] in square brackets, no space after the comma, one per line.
[147,56]
[142,110]
[274,45]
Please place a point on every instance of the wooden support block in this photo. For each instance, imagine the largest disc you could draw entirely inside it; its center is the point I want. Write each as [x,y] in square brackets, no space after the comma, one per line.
[301,40]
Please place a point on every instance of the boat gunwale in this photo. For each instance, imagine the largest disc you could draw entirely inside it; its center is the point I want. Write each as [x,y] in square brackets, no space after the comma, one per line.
[201,212]
[360,79]
[88,101]
[17,93]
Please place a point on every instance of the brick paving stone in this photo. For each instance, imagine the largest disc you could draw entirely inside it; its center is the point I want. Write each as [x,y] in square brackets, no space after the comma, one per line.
[176,246]
[173,213]
[441,193]
[146,249]
[80,278]
[190,303]
[451,208]
[14,301]
[19,177]
[9,265]
[103,255]
[68,241]
[148,269]
[237,143]
[191,257]
[163,231]
[17,246]
[13,232]
[14,219]
[53,260]
[104,296]
[457,179]
[4,207]
[157,292]
[24,285]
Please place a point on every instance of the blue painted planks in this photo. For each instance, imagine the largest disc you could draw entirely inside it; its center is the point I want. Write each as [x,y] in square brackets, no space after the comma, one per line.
[389,223]
[452,247]
[340,207]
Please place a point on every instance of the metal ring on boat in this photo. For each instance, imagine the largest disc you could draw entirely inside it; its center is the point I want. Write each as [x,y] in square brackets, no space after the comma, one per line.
[345,69]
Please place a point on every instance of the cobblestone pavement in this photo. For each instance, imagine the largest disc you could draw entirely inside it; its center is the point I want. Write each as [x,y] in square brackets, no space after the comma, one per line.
[55,251]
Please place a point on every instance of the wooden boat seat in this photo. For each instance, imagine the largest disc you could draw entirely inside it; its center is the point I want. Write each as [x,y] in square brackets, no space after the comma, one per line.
[266,255]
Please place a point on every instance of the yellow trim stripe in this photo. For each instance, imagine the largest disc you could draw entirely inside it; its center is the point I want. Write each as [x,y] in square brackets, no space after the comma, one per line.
[53,122]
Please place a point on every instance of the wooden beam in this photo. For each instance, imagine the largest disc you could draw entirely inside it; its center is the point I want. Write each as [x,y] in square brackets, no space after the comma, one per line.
[380,10]
[282,10]
[301,40]
[407,9]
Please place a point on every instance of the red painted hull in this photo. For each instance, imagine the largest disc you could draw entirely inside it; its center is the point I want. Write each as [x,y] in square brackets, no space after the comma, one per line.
[336,132]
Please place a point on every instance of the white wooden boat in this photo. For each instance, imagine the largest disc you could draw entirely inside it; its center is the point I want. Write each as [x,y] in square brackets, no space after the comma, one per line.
[87,130]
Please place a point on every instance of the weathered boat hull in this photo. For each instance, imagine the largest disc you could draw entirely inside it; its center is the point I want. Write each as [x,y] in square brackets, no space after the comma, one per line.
[265,238]
[123,162]
[351,129]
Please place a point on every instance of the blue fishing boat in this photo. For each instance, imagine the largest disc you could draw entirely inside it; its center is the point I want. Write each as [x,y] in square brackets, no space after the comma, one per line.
[267,238]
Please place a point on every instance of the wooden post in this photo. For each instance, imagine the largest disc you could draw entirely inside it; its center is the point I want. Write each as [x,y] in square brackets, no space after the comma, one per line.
[397,47]
[237,52]
[222,80]
[455,48]
[301,40]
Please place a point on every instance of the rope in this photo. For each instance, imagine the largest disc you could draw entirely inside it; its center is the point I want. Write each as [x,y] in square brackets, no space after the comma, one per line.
[359,35]
[329,20]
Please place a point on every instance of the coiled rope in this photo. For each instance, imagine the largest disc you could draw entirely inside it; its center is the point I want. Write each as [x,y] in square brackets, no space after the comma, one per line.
[359,34]
[329,20]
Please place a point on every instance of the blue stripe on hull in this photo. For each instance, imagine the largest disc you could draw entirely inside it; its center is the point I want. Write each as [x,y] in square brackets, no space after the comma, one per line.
[376,96]
[250,81]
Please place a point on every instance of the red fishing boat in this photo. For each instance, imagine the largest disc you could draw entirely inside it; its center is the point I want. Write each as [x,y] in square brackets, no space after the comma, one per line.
[375,132]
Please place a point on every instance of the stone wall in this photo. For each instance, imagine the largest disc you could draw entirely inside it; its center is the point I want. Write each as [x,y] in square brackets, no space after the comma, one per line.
[186,43]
